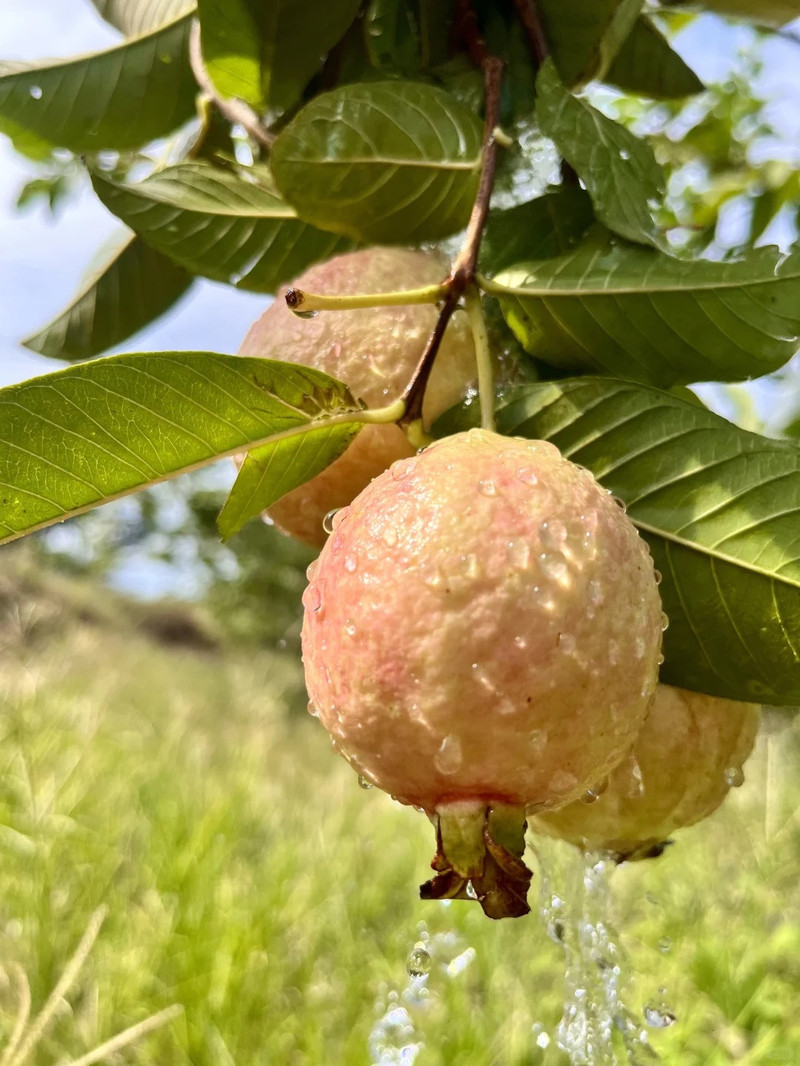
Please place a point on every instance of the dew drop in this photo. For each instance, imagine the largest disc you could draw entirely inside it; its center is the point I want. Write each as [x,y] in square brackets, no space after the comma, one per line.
[527,476]
[596,593]
[658,576]
[449,758]
[312,598]
[658,1017]
[519,554]
[351,563]
[553,565]
[35,92]
[734,777]
[312,709]
[486,487]
[635,784]
[537,739]
[624,154]
[620,503]
[390,536]
[327,521]
[567,643]
[402,468]
[639,647]
[540,1037]
[419,961]
[520,642]
[664,622]
[350,628]
[591,795]
[471,566]
[311,570]
[363,783]
[660,659]
[304,314]
[553,533]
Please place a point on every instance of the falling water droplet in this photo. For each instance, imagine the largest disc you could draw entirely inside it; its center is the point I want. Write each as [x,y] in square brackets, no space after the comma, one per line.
[327,521]
[734,777]
[419,961]
[658,1017]
[448,758]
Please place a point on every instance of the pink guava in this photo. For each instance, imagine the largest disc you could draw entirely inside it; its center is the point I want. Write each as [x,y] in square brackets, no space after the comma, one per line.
[688,755]
[375,352]
[481,637]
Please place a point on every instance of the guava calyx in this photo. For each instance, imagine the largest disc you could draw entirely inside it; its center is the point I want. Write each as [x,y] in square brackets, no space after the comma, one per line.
[479,852]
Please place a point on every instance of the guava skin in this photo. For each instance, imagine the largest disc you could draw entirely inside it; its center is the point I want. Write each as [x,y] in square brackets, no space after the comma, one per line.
[375,352]
[483,624]
[689,751]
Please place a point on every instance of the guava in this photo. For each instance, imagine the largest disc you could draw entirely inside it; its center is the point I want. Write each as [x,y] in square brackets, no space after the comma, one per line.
[481,637]
[687,757]
[375,352]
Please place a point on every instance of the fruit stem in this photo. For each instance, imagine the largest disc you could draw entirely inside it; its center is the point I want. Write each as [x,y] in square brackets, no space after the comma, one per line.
[302,302]
[483,355]
[393,412]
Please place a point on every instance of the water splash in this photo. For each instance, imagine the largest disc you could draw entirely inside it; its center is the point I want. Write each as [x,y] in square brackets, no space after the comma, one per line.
[597,1027]
[396,1038]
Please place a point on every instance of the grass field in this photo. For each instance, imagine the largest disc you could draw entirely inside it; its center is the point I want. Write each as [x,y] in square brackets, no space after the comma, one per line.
[248,879]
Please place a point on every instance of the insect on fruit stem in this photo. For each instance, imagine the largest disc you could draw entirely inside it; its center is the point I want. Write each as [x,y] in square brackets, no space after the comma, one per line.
[483,355]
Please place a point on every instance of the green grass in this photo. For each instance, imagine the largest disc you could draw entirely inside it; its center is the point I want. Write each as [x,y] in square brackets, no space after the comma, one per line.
[249,879]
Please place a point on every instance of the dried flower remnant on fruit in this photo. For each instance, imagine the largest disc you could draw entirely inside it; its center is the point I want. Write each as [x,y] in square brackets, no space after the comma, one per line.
[688,756]
[478,684]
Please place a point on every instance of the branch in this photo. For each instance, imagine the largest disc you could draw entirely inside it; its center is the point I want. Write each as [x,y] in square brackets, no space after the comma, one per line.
[235,111]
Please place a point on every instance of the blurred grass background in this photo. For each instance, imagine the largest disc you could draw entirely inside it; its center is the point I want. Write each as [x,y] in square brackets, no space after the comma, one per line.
[149,767]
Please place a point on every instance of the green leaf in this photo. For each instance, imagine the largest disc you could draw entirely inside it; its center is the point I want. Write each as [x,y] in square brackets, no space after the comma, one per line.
[219,223]
[101,430]
[648,66]
[720,510]
[618,169]
[542,228]
[584,36]
[408,36]
[270,472]
[266,53]
[385,161]
[637,313]
[764,12]
[128,292]
[114,100]
[135,17]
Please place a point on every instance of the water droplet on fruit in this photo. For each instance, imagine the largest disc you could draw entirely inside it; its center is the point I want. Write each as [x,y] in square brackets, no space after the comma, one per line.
[363,783]
[390,536]
[312,598]
[312,709]
[639,647]
[596,593]
[486,487]
[567,643]
[734,777]
[620,503]
[659,577]
[327,521]
[591,795]
[519,554]
[553,533]
[350,628]
[304,314]
[526,475]
[311,569]
[537,739]
[562,781]
[520,642]
[402,468]
[449,758]
[351,564]
[635,784]
[419,961]
[664,622]
[660,659]
[658,1017]
[665,945]
[470,565]
[554,565]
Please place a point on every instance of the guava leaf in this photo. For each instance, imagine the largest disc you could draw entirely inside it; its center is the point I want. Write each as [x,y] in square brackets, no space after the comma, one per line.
[764,12]
[97,431]
[384,161]
[585,37]
[128,292]
[408,35]
[637,313]
[135,17]
[548,226]
[222,224]
[266,53]
[646,64]
[114,100]
[720,510]
[270,472]
[618,169]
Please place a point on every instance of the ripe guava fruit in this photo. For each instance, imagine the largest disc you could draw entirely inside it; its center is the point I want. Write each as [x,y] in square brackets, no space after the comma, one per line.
[688,755]
[375,352]
[481,637]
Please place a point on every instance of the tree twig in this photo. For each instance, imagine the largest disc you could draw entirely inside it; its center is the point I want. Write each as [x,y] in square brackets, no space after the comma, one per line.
[234,110]
[529,17]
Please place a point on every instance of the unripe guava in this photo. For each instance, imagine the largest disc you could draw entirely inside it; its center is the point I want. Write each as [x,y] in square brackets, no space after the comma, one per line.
[688,755]
[482,629]
[375,352]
